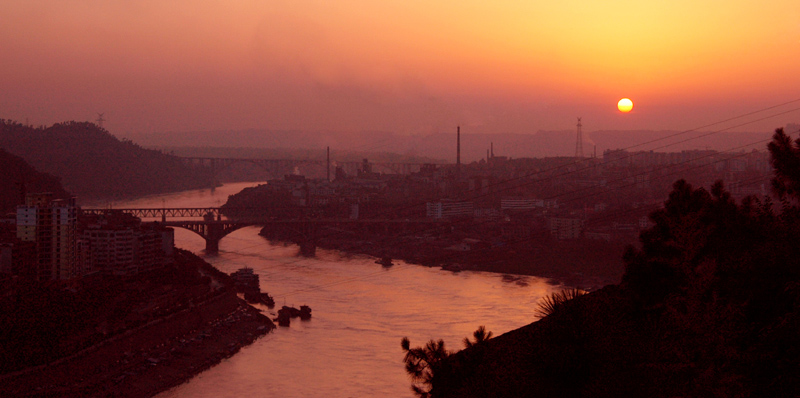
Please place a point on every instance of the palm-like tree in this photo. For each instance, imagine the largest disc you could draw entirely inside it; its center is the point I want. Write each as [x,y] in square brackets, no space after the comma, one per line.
[556,301]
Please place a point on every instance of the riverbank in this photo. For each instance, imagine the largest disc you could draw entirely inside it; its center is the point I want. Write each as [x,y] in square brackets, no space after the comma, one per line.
[587,264]
[151,358]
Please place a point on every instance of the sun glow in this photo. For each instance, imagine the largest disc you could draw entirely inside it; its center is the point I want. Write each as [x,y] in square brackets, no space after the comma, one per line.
[625,105]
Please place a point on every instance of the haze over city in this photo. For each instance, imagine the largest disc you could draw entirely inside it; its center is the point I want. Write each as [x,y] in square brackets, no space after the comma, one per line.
[478,199]
[396,66]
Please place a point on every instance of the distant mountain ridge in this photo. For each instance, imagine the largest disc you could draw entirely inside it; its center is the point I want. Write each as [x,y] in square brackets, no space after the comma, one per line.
[473,146]
[94,164]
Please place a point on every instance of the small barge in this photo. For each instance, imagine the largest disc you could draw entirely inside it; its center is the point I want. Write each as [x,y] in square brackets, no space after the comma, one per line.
[385,261]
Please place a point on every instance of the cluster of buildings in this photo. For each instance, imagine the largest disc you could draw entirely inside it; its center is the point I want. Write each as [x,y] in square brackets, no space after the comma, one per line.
[49,239]
[568,198]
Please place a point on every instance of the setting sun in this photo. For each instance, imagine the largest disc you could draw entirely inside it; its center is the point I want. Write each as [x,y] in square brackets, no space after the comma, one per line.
[625,105]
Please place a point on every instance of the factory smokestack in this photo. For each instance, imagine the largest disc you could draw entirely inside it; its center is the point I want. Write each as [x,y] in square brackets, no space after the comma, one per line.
[458,149]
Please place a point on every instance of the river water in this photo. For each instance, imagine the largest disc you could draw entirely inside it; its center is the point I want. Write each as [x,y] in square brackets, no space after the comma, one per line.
[361,311]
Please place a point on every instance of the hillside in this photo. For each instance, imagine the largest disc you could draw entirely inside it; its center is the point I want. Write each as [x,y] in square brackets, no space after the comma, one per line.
[709,306]
[93,164]
[17,173]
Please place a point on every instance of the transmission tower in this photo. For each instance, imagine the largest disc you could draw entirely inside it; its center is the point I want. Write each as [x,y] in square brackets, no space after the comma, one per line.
[100,120]
[579,143]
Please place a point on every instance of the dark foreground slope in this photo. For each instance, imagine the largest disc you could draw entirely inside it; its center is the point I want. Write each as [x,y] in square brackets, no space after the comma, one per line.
[18,177]
[709,306]
[94,164]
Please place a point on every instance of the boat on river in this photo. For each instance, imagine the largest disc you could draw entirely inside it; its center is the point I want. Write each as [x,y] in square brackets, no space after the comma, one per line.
[267,300]
[305,312]
[244,279]
[385,261]
[285,314]
[293,312]
[452,267]
[284,317]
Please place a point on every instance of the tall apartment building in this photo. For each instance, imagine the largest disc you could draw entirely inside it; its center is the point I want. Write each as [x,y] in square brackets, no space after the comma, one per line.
[51,224]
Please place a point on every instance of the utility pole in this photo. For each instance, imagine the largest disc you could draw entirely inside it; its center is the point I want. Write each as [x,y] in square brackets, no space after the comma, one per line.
[458,150]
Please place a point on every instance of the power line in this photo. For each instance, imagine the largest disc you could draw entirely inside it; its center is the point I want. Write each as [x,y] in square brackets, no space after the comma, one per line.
[574,163]
[447,256]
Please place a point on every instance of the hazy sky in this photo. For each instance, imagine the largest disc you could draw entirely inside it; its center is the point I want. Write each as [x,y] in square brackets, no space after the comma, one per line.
[398,65]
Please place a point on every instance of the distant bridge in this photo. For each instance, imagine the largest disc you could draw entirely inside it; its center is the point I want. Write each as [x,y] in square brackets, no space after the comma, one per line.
[287,166]
[213,227]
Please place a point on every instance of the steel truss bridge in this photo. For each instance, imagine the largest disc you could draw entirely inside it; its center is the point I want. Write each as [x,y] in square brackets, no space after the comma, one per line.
[214,225]
[163,213]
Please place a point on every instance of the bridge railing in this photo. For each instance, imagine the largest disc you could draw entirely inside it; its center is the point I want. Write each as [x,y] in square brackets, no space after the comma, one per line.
[209,213]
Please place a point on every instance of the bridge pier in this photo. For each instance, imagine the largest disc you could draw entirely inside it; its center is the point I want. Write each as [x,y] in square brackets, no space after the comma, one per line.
[212,246]
[214,231]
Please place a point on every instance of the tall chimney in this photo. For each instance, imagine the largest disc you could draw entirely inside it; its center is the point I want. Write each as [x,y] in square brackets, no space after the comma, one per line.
[329,164]
[458,149]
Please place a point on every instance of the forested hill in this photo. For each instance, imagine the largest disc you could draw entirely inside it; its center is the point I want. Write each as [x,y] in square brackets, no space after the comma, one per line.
[93,164]
[16,174]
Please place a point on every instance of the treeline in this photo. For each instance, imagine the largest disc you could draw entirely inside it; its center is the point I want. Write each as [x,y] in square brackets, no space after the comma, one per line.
[96,165]
[18,177]
[337,154]
[709,306]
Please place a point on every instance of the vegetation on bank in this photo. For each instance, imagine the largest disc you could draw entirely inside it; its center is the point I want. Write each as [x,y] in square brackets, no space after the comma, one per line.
[709,306]
[92,163]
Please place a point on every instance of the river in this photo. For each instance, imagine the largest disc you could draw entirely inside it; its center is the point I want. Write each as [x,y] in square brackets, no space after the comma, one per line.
[361,311]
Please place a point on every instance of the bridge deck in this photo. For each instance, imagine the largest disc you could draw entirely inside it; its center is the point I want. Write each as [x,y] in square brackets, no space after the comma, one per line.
[198,212]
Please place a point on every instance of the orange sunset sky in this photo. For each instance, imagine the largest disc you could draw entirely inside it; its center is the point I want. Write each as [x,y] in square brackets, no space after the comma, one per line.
[403,66]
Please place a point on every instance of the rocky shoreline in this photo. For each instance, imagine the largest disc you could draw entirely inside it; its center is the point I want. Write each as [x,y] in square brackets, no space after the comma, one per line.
[151,358]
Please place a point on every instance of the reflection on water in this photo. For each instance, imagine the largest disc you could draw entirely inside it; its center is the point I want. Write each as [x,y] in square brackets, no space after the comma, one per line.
[209,197]
[361,310]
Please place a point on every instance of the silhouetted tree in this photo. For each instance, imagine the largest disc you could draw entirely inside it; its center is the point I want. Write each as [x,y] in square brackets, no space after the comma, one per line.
[423,364]
[479,335]
[785,159]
